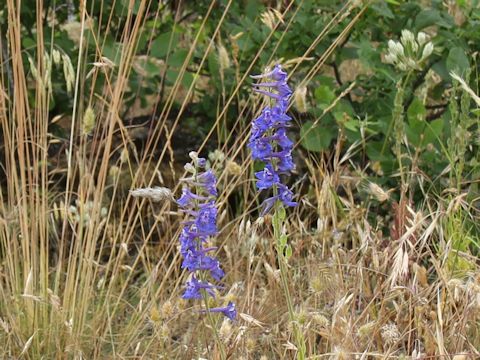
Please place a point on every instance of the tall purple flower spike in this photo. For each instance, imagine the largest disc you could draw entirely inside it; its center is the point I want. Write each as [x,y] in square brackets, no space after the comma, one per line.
[198,203]
[269,142]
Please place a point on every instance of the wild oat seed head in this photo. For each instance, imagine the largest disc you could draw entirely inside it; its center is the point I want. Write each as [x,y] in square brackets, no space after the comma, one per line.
[167,310]
[216,156]
[155,194]
[226,330]
[300,98]
[321,320]
[223,58]
[390,334]
[57,57]
[232,168]
[124,155]
[377,192]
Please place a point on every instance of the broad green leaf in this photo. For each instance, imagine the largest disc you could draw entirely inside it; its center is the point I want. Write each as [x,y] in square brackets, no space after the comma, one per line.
[433,131]
[316,138]
[457,61]
[324,95]
[160,46]
[177,58]
[429,17]
[416,110]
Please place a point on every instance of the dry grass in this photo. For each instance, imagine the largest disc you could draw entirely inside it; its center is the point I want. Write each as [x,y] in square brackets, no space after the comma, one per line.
[88,271]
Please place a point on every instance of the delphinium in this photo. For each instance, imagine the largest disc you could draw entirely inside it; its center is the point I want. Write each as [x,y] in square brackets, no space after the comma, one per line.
[270,144]
[198,203]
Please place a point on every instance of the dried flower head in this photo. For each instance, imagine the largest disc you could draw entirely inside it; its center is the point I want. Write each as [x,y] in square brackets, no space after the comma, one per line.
[155,194]
[390,334]
[300,97]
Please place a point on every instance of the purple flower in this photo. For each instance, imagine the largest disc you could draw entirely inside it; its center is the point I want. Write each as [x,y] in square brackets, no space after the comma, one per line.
[277,74]
[286,195]
[261,148]
[194,286]
[269,141]
[229,311]
[267,177]
[187,197]
[206,219]
[209,182]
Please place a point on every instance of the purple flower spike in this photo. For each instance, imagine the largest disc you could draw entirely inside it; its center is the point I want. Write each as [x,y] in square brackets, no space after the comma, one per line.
[269,142]
[198,203]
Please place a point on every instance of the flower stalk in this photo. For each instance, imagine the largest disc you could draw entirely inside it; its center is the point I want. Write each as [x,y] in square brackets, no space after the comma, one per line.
[270,144]
[198,203]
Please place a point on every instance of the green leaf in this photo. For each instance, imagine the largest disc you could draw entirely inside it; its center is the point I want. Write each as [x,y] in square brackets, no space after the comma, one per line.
[288,252]
[433,131]
[281,213]
[160,46]
[213,66]
[283,240]
[382,9]
[178,58]
[429,17]
[317,138]
[324,95]
[457,61]
[416,110]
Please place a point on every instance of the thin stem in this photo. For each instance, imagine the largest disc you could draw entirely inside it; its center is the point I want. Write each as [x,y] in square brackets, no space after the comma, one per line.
[277,233]
[213,324]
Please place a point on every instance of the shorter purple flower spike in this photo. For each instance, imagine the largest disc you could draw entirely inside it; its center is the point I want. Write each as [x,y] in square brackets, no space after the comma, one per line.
[198,203]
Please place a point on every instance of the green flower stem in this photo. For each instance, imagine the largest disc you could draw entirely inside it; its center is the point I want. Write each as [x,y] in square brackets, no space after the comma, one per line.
[213,324]
[277,222]
[398,122]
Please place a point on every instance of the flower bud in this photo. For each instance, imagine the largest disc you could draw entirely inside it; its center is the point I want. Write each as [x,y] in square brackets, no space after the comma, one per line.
[407,37]
[390,58]
[427,50]
[422,38]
